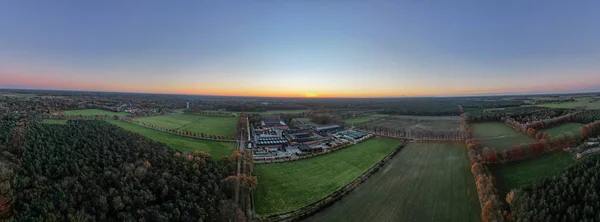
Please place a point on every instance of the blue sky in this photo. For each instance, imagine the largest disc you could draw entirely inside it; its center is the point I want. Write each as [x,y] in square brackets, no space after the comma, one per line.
[291,48]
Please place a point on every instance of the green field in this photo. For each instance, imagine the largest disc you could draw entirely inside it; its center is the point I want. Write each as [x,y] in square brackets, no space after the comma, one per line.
[498,136]
[280,111]
[424,182]
[585,102]
[287,186]
[93,112]
[54,121]
[215,148]
[516,174]
[203,124]
[572,128]
[363,119]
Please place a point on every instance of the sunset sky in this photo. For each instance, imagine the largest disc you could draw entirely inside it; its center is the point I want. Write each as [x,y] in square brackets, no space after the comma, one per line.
[302,48]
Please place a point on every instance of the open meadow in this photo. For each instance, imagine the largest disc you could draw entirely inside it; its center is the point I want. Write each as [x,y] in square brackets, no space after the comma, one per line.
[586,103]
[287,186]
[498,136]
[93,112]
[366,118]
[424,182]
[290,111]
[516,174]
[217,125]
[216,149]
[423,123]
[572,128]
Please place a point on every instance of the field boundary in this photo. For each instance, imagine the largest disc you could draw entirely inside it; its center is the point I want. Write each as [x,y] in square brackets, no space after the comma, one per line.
[338,194]
[196,137]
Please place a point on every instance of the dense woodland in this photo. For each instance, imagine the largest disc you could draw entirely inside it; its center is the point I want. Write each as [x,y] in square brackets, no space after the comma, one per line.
[571,196]
[92,170]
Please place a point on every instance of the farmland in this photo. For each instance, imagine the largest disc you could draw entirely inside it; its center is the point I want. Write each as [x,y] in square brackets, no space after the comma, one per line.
[280,111]
[572,128]
[580,103]
[363,119]
[424,182]
[54,121]
[288,186]
[204,124]
[433,123]
[215,148]
[516,174]
[498,136]
[92,112]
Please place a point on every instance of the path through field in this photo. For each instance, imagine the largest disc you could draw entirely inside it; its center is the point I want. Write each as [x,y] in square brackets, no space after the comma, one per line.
[424,182]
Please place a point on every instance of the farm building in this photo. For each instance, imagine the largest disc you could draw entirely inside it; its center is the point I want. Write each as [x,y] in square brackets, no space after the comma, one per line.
[307,148]
[272,138]
[352,134]
[328,129]
[273,124]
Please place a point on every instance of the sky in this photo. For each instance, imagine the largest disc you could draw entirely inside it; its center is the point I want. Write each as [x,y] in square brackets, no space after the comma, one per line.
[302,48]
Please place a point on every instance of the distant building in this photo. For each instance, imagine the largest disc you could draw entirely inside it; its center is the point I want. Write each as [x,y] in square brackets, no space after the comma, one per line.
[187,105]
[323,130]
[273,123]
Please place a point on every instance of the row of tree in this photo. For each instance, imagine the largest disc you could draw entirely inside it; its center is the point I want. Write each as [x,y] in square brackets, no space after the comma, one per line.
[93,170]
[573,195]
[182,132]
[590,130]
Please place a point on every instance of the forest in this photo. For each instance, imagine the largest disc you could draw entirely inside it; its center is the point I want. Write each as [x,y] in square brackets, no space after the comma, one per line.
[571,196]
[92,170]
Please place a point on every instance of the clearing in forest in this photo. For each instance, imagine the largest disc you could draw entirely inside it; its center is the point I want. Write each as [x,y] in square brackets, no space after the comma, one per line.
[287,186]
[571,128]
[222,126]
[516,174]
[216,149]
[93,112]
[366,118]
[424,182]
[498,136]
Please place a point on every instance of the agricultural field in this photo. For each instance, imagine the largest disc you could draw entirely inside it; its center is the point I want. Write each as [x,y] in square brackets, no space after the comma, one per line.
[516,174]
[498,136]
[572,128]
[215,148]
[281,111]
[423,123]
[287,186]
[225,126]
[363,119]
[582,102]
[92,112]
[54,121]
[424,182]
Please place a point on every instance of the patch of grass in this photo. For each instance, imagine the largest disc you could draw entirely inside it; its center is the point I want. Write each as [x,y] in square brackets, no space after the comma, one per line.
[54,121]
[203,124]
[93,112]
[363,119]
[281,111]
[287,186]
[498,136]
[424,182]
[216,148]
[516,174]
[571,128]
[584,102]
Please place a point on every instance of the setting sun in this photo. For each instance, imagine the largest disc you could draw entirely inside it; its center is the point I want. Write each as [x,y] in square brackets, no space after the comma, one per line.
[311,95]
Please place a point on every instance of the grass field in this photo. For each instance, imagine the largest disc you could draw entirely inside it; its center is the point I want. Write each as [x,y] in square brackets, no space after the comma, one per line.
[420,123]
[424,182]
[572,128]
[584,102]
[363,119]
[287,186]
[215,148]
[204,124]
[498,136]
[54,121]
[516,174]
[92,112]
[281,111]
